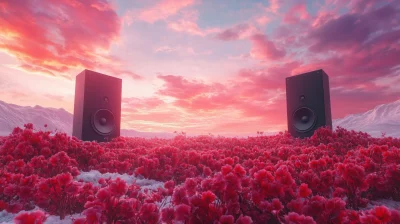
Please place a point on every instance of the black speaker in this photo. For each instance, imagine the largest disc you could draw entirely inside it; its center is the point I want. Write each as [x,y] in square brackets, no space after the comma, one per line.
[97,107]
[308,103]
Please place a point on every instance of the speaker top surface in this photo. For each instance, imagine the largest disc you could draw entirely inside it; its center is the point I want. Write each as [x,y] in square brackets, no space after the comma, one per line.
[311,73]
[88,72]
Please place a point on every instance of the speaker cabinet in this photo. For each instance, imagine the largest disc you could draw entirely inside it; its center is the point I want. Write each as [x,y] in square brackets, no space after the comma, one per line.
[308,103]
[97,107]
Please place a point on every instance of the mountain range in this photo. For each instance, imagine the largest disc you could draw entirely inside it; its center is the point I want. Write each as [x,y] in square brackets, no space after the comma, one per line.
[383,118]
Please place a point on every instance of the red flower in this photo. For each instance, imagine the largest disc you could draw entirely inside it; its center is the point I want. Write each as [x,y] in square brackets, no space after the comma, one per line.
[226,169]
[276,204]
[118,187]
[190,185]
[149,213]
[36,217]
[226,219]
[294,218]
[64,179]
[179,196]
[103,194]
[167,215]
[382,213]
[207,171]
[208,197]
[239,170]
[182,212]
[244,220]
[304,191]
[169,184]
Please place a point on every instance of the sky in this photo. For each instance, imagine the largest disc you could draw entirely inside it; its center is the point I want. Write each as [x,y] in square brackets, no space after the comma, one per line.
[201,66]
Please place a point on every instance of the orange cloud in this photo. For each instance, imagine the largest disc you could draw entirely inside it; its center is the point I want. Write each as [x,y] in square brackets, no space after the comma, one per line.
[61,35]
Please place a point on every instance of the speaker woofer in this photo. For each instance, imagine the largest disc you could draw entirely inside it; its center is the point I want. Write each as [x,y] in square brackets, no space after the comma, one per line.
[103,122]
[304,119]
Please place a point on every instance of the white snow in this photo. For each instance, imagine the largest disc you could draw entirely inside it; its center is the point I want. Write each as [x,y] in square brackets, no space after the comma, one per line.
[386,202]
[94,176]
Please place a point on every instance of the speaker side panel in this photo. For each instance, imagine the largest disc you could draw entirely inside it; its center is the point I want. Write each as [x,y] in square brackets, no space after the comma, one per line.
[78,105]
[327,101]
[102,92]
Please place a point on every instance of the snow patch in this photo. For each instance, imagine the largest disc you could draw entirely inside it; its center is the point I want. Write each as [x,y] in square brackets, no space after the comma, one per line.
[93,176]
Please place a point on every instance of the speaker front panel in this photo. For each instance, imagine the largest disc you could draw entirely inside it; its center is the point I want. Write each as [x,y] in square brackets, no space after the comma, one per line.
[305,96]
[102,107]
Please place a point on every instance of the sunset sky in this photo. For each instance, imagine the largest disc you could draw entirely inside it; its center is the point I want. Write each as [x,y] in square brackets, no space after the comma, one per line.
[201,66]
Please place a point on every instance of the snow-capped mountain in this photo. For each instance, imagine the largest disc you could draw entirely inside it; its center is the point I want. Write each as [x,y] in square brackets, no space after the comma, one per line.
[12,116]
[384,118]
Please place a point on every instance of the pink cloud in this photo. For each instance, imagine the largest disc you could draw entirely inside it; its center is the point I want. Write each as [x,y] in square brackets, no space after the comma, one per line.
[65,34]
[153,117]
[263,20]
[360,6]
[164,9]
[323,17]
[177,86]
[352,30]
[265,49]
[186,26]
[55,97]
[134,103]
[166,49]
[253,93]
[297,13]
[182,50]
[240,31]
[274,6]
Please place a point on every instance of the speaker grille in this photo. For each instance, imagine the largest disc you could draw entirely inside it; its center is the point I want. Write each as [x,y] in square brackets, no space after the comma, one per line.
[304,119]
[103,122]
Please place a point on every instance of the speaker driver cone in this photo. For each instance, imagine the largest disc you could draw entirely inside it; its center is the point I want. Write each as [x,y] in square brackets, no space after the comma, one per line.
[304,119]
[103,121]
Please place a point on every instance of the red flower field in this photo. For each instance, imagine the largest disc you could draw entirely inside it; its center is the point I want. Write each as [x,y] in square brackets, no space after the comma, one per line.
[333,177]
